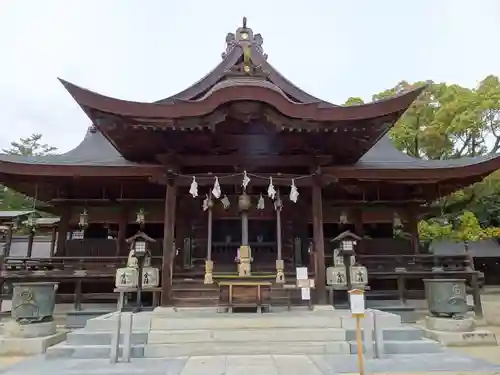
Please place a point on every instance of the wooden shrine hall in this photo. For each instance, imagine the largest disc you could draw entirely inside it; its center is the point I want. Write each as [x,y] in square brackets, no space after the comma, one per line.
[243,161]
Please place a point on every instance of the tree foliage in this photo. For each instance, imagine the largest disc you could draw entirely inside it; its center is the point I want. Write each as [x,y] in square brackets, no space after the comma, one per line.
[29,146]
[449,121]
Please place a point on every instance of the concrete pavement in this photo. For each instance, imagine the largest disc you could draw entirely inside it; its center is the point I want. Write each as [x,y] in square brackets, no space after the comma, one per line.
[453,362]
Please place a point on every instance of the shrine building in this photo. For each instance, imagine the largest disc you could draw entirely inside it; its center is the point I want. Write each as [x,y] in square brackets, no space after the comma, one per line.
[242,166]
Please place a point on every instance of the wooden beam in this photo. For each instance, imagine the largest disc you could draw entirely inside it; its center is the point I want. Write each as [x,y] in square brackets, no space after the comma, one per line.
[357,202]
[303,160]
[80,200]
[207,179]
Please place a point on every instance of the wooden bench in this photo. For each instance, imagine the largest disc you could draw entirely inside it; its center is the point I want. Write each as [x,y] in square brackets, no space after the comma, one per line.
[241,294]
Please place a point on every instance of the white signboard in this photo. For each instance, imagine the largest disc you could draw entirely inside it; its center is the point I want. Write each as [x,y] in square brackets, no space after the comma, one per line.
[302,273]
[357,303]
[306,294]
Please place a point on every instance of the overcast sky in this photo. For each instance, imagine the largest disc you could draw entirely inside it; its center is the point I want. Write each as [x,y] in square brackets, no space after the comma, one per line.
[145,50]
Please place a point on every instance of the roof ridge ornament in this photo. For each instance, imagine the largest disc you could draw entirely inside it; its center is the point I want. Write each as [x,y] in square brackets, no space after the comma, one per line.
[244,36]
[247,41]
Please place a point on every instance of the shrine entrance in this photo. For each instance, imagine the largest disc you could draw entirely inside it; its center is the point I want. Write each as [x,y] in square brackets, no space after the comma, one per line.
[227,239]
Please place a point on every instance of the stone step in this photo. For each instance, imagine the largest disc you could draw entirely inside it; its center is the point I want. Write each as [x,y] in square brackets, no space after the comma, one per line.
[64,350]
[244,321]
[422,346]
[241,348]
[84,337]
[107,322]
[402,333]
[268,320]
[255,336]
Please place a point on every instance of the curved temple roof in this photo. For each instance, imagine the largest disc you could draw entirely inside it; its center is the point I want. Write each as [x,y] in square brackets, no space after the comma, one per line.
[95,156]
[251,78]
[241,90]
[230,80]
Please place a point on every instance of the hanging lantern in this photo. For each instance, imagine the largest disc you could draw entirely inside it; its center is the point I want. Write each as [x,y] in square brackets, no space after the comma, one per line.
[31,222]
[244,202]
[140,219]
[225,202]
[343,218]
[278,204]
[260,203]
[396,221]
[83,222]
[15,224]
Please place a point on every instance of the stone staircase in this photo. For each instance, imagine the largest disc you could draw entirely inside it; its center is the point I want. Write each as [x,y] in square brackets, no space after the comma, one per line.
[199,332]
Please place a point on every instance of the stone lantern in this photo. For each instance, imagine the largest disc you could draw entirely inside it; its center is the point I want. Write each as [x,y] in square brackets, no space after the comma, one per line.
[138,264]
[346,273]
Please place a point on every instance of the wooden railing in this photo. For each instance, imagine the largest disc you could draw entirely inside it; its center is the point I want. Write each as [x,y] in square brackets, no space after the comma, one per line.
[68,263]
[417,262]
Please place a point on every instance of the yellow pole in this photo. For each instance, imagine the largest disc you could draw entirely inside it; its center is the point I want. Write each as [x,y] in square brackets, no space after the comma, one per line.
[359,342]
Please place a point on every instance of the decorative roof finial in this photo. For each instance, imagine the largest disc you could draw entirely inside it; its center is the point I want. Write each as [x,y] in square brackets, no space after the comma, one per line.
[244,36]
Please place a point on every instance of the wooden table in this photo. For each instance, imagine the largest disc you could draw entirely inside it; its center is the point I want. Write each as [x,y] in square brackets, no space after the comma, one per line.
[245,294]
[124,291]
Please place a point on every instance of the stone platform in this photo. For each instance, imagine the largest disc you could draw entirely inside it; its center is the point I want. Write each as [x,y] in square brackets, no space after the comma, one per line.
[457,332]
[30,339]
[195,332]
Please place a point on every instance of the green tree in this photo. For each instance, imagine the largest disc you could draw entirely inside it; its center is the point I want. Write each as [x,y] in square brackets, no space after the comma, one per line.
[411,133]
[30,146]
[466,228]
[354,101]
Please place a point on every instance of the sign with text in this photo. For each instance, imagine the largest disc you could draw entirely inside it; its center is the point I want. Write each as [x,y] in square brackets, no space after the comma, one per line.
[302,273]
[306,294]
[357,302]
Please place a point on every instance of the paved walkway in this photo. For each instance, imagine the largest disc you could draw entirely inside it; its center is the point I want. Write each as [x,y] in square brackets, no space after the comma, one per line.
[450,361]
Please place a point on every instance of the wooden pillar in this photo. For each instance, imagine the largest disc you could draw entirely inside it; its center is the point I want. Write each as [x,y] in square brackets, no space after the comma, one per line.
[31,238]
[319,244]
[62,231]
[209,265]
[121,245]
[53,238]
[358,228]
[168,243]
[8,243]
[413,229]
[280,265]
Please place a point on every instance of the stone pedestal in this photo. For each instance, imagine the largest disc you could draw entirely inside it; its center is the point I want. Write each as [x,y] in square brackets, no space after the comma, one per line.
[457,332]
[280,274]
[209,267]
[14,329]
[323,308]
[29,339]
[450,325]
